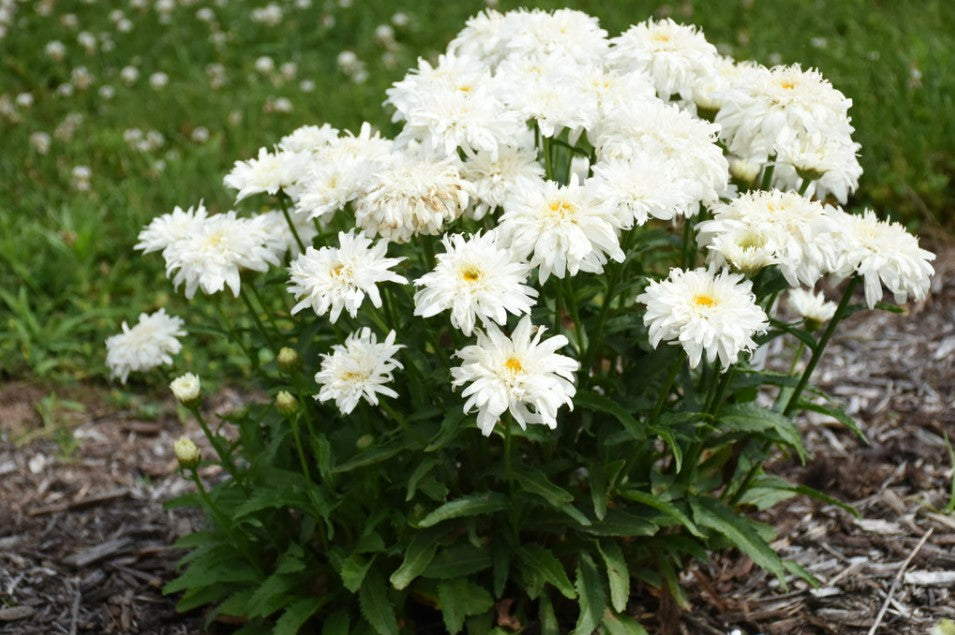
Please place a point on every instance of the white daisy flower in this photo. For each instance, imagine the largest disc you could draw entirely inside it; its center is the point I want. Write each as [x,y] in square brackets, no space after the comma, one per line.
[414,195]
[744,247]
[704,312]
[309,138]
[496,178]
[832,163]
[269,172]
[642,186]
[331,279]
[149,344]
[164,230]
[475,278]
[882,253]
[812,307]
[562,229]
[519,374]
[676,56]
[564,33]
[217,251]
[359,368]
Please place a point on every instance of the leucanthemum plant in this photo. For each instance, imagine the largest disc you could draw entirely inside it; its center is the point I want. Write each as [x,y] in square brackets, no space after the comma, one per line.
[512,349]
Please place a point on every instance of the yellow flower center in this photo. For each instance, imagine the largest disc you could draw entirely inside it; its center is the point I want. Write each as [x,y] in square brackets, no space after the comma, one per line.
[465,88]
[562,208]
[704,299]
[752,241]
[787,85]
[350,375]
[513,364]
[471,274]
[339,271]
[660,37]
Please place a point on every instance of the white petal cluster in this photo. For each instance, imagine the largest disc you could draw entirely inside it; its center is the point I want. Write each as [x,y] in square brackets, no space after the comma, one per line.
[219,248]
[883,254]
[561,229]
[812,307]
[279,237]
[704,312]
[642,186]
[269,172]
[676,56]
[149,344]
[309,139]
[519,374]
[332,279]
[414,195]
[496,178]
[167,229]
[475,278]
[360,368]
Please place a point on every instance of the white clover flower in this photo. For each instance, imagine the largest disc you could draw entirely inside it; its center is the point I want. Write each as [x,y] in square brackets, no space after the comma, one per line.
[812,307]
[217,251]
[359,368]
[496,178]
[158,80]
[149,344]
[642,186]
[186,388]
[882,253]
[562,229]
[269,172]
[704,312]
[798,231]
[414,195]
[334,278]
[518,374]
[164,230]
[475,278]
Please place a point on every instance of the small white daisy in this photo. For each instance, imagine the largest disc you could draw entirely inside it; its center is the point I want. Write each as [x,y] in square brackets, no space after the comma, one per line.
[359,368]
[520,374]
[164,230]
[269,172]
[331,279]
[149,344]
[812,307]
[475,278]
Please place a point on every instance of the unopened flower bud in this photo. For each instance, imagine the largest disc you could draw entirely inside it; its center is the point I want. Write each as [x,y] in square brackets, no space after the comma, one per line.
[285,402]
[364,441]
[186,389]
[288,359]
[744,171]
[187,453]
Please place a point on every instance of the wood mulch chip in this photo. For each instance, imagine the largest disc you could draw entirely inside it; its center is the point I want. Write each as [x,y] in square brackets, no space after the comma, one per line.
[85,540]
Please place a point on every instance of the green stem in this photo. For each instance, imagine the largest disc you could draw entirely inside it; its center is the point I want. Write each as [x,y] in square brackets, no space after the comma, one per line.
[804,186]
[264,307]
[821,345]
[687,239]
[296,434]
[571,301]
[217,513]
[255,318]
[716,396]
[768,174]
[548,160]
[288,219]
[225,458]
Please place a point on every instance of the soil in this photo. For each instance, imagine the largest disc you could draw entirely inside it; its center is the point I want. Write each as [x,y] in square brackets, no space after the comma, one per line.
[85,538]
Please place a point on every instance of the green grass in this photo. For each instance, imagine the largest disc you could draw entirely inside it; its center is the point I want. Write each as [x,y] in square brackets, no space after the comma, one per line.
[68,274]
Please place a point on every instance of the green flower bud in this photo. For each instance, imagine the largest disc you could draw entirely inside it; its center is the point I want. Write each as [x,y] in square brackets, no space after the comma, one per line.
[187,453]
[285,402]
[364,441]
[288,359]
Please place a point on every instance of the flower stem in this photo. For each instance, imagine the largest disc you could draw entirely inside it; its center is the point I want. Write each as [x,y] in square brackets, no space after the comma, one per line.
[255,318]
[296,434]
[217,513]
[804,186]
[768,174]
[288,219]
[223,453]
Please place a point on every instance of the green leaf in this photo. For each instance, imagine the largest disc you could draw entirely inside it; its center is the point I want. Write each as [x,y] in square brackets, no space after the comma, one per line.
[271,499]
[618,575]
[353,571]
[419,472]
[800,334]
[418,556]
[199,575]
[272,595]
[460,560]
[546,616]
[599,488]
[449,428]
[372,456]
[620,523]
[541,562]
[337,623]
[749,417]
[589,400]
[459,598]
[291,561]
[298,613]
[664,506]
[762,491]
[621,624]
[836,413]
[715,515]
[323,454]
[376,606]
[591,596]
[501,561]
[536,482]
[472,505]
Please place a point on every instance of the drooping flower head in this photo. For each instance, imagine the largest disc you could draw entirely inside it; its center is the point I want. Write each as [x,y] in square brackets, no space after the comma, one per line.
[519,374]
[149,344]
[359,369]
[331,279]
[475,278]
[812,307]
[704,312]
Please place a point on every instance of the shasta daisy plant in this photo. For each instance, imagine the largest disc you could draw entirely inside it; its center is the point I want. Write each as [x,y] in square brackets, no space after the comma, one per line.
[518,355]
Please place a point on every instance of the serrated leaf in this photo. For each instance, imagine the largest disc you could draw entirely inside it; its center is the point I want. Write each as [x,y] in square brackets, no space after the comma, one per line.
[621,624]
[536,482]
[752,418]
[620,523]
[466,506]
[838,414]
[599,489]
[272,595]
[200,575]
[376,606]
[418,556]
[541,562]
[449,429]
[460,560]
[270,499]
[618,574]
[589,400]
[353,571]
[591,596]
[715,515]
[668,508]
[297,614]
[419,472]
[459,598]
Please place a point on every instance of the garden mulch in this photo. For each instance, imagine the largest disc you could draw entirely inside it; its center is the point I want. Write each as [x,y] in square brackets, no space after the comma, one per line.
[85,538]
